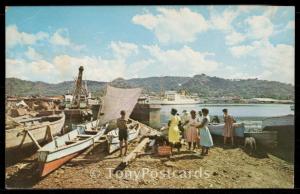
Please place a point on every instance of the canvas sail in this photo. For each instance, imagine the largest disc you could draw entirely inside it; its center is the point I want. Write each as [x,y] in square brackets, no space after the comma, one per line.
[117,99]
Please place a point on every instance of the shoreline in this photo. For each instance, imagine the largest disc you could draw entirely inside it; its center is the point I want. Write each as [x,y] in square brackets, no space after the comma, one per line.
[226,167]
[229,104]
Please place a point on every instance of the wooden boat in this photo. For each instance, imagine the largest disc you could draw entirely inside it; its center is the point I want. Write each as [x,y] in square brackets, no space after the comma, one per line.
[217,129]
[134,129]
[16,138]
[267,139]
[68,146]
[64,148]
[280,121]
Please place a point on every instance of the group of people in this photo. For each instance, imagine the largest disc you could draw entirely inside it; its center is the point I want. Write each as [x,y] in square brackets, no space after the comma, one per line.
[194,129]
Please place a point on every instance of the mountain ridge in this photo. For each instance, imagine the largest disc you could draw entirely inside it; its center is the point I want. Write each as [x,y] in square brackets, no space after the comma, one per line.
[203,85]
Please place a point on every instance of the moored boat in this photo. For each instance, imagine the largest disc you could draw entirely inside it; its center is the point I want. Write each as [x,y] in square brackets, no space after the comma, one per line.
[37,126]
[68,146]
[279,121]
[217,129]
[134,129]
[174,98]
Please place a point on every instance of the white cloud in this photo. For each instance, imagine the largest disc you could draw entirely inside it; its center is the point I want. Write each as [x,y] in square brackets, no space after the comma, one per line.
[277,61]
[95,68]
[59,39]
[241,50]
[260,27]
[35,70]
[291,25]
[270,11]
[65,67]
[184,61]
[78,47]
[257,27]
[172,25]
[14,37]
[136,68]
[223,21]
[98,68]
[247,8]
[41,67]
[149,21]
[234,38]
[123,49]
[16,68]
[32,54]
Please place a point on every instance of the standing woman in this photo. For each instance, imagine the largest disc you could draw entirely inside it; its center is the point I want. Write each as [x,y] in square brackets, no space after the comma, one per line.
[228,127]
[205,137]
[192,131]
[184,120]
[174,133]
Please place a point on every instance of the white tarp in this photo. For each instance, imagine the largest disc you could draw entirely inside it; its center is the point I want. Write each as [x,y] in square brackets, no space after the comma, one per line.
[117,99]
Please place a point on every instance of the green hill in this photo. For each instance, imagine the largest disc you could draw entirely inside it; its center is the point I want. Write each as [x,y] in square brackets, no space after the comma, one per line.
[203,85]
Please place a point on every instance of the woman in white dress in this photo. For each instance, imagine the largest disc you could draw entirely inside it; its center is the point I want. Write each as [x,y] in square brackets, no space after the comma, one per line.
[205,137]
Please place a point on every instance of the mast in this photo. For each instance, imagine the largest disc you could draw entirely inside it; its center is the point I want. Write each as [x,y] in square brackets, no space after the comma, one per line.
[162,92]
[79,90]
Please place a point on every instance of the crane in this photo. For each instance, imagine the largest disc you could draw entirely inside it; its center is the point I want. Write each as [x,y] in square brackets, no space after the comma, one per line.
[79,90]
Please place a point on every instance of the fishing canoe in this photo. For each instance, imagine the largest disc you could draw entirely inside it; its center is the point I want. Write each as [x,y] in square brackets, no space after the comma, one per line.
[280,121]
[134,130]
[267,139]
[37,126]
[64,148]
[217,129]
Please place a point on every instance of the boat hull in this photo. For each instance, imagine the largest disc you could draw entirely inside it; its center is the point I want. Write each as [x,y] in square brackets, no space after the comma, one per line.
[217,129]
[57,152]
[287,120]
[48,167]
[13,140]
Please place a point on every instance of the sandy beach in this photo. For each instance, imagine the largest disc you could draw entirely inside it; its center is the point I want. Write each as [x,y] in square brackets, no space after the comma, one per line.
[224,167]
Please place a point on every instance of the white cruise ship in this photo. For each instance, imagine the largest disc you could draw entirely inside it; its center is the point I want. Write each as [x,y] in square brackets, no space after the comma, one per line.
[174,98]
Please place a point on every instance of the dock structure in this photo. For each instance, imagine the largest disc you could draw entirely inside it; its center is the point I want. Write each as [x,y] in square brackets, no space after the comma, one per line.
[149,114]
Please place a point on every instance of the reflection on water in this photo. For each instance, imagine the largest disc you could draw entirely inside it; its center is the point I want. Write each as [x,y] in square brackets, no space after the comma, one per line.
[250,114]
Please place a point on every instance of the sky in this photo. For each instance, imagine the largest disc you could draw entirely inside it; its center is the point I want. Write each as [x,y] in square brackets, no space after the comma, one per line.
[233,42]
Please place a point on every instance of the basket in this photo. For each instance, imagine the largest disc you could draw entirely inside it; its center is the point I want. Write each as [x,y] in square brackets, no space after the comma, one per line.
[164,150]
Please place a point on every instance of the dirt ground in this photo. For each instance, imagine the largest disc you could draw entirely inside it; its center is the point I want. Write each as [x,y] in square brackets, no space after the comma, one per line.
[224,167]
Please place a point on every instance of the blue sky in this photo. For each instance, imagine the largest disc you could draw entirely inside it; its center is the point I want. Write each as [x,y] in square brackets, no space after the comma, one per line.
[234,42]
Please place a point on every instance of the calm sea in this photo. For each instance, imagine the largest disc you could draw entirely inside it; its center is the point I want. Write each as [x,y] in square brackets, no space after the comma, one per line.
[250,114]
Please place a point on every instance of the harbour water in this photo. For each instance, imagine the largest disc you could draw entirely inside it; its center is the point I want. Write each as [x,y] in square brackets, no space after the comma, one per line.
[250,114]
